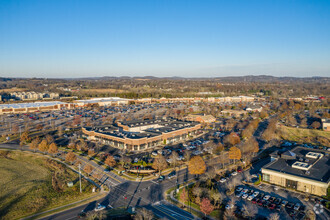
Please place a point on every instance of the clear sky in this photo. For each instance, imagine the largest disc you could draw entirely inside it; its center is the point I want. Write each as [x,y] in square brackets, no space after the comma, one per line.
[66,38]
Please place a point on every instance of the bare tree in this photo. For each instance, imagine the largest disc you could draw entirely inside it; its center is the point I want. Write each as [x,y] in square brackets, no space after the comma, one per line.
[274,216]
[250,210]
[144,214]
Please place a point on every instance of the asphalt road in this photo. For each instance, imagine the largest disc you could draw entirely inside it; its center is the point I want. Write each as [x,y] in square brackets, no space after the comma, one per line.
[124,193]
[137,194]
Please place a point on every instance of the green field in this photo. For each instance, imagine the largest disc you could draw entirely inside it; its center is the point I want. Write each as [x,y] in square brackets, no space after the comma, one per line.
[31,183]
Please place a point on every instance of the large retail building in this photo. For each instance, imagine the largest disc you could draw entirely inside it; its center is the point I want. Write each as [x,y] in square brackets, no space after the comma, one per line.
[142,134]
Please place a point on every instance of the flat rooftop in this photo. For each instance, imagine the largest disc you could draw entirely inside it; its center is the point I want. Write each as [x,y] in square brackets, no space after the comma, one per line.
[164,122]
[169,125]
[30,104]
[303,162]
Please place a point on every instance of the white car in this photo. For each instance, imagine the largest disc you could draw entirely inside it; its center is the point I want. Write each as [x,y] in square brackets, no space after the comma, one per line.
[297,206]
[169,160]
[245,196]
[256,193]
[229,206]
[239,189]
[154,153]
[197,152]
[99,207]
[239,194]
[250,197]
[266,197]
[222,180]
[234,173]
[136,160]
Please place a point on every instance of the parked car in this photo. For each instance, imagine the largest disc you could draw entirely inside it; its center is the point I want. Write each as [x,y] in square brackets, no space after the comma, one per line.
[229,206]
[278,201]
[245,196]
[222,180]
[239,189]
[82,214]
[250,197]
[172,174]
[260,202]
[290,205]
[272,199]
[284,202]
[293,213]
[239,194]
[154,153]
[169,160]
[256,193]
[255,200]
[266,197]
[99,207]
[234,173]
[297,206]
[271,206]
[160,179]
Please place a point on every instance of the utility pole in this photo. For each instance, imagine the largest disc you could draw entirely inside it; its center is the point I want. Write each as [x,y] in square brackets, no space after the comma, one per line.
[79,178]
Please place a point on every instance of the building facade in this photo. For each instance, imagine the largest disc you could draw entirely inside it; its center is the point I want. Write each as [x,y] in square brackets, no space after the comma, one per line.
[302,169]
[142,134]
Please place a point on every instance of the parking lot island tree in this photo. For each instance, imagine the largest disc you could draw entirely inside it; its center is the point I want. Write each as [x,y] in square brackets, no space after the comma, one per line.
[184,196]
[110,161]
[159,163]
[196,165]
[206,206]
[234,154]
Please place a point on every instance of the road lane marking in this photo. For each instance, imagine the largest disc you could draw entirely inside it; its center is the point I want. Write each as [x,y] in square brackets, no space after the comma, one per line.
[166,214]
[170,210]
[97,168]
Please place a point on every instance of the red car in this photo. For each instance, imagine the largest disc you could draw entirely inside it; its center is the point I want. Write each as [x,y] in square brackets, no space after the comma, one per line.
[255,200]
[239,170]
[271,206]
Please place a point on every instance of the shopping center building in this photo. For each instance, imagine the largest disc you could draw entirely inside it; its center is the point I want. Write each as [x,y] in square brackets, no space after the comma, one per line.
[142,134]
[301,169]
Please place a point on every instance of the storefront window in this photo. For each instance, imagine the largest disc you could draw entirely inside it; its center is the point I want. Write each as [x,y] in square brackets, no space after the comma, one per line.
[266,177]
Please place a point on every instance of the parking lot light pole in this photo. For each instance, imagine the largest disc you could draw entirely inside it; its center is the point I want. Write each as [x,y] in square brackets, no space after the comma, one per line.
[79,177]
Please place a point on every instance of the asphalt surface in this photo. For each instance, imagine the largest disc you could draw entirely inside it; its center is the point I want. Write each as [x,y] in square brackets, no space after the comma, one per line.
[124,193]
[146,194]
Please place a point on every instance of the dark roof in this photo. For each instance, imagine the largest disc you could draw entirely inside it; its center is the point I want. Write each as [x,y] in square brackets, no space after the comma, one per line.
[167,126]
[164,122]
[320,170]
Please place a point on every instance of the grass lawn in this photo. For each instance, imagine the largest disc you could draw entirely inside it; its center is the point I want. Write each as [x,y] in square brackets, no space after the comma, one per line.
[299,134]
[31,183]
[215,213]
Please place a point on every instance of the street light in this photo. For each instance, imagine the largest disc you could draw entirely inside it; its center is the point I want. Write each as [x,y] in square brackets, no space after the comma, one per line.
[79,177]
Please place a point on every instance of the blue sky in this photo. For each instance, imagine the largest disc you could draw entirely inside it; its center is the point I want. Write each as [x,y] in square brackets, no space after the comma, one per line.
[66,38]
